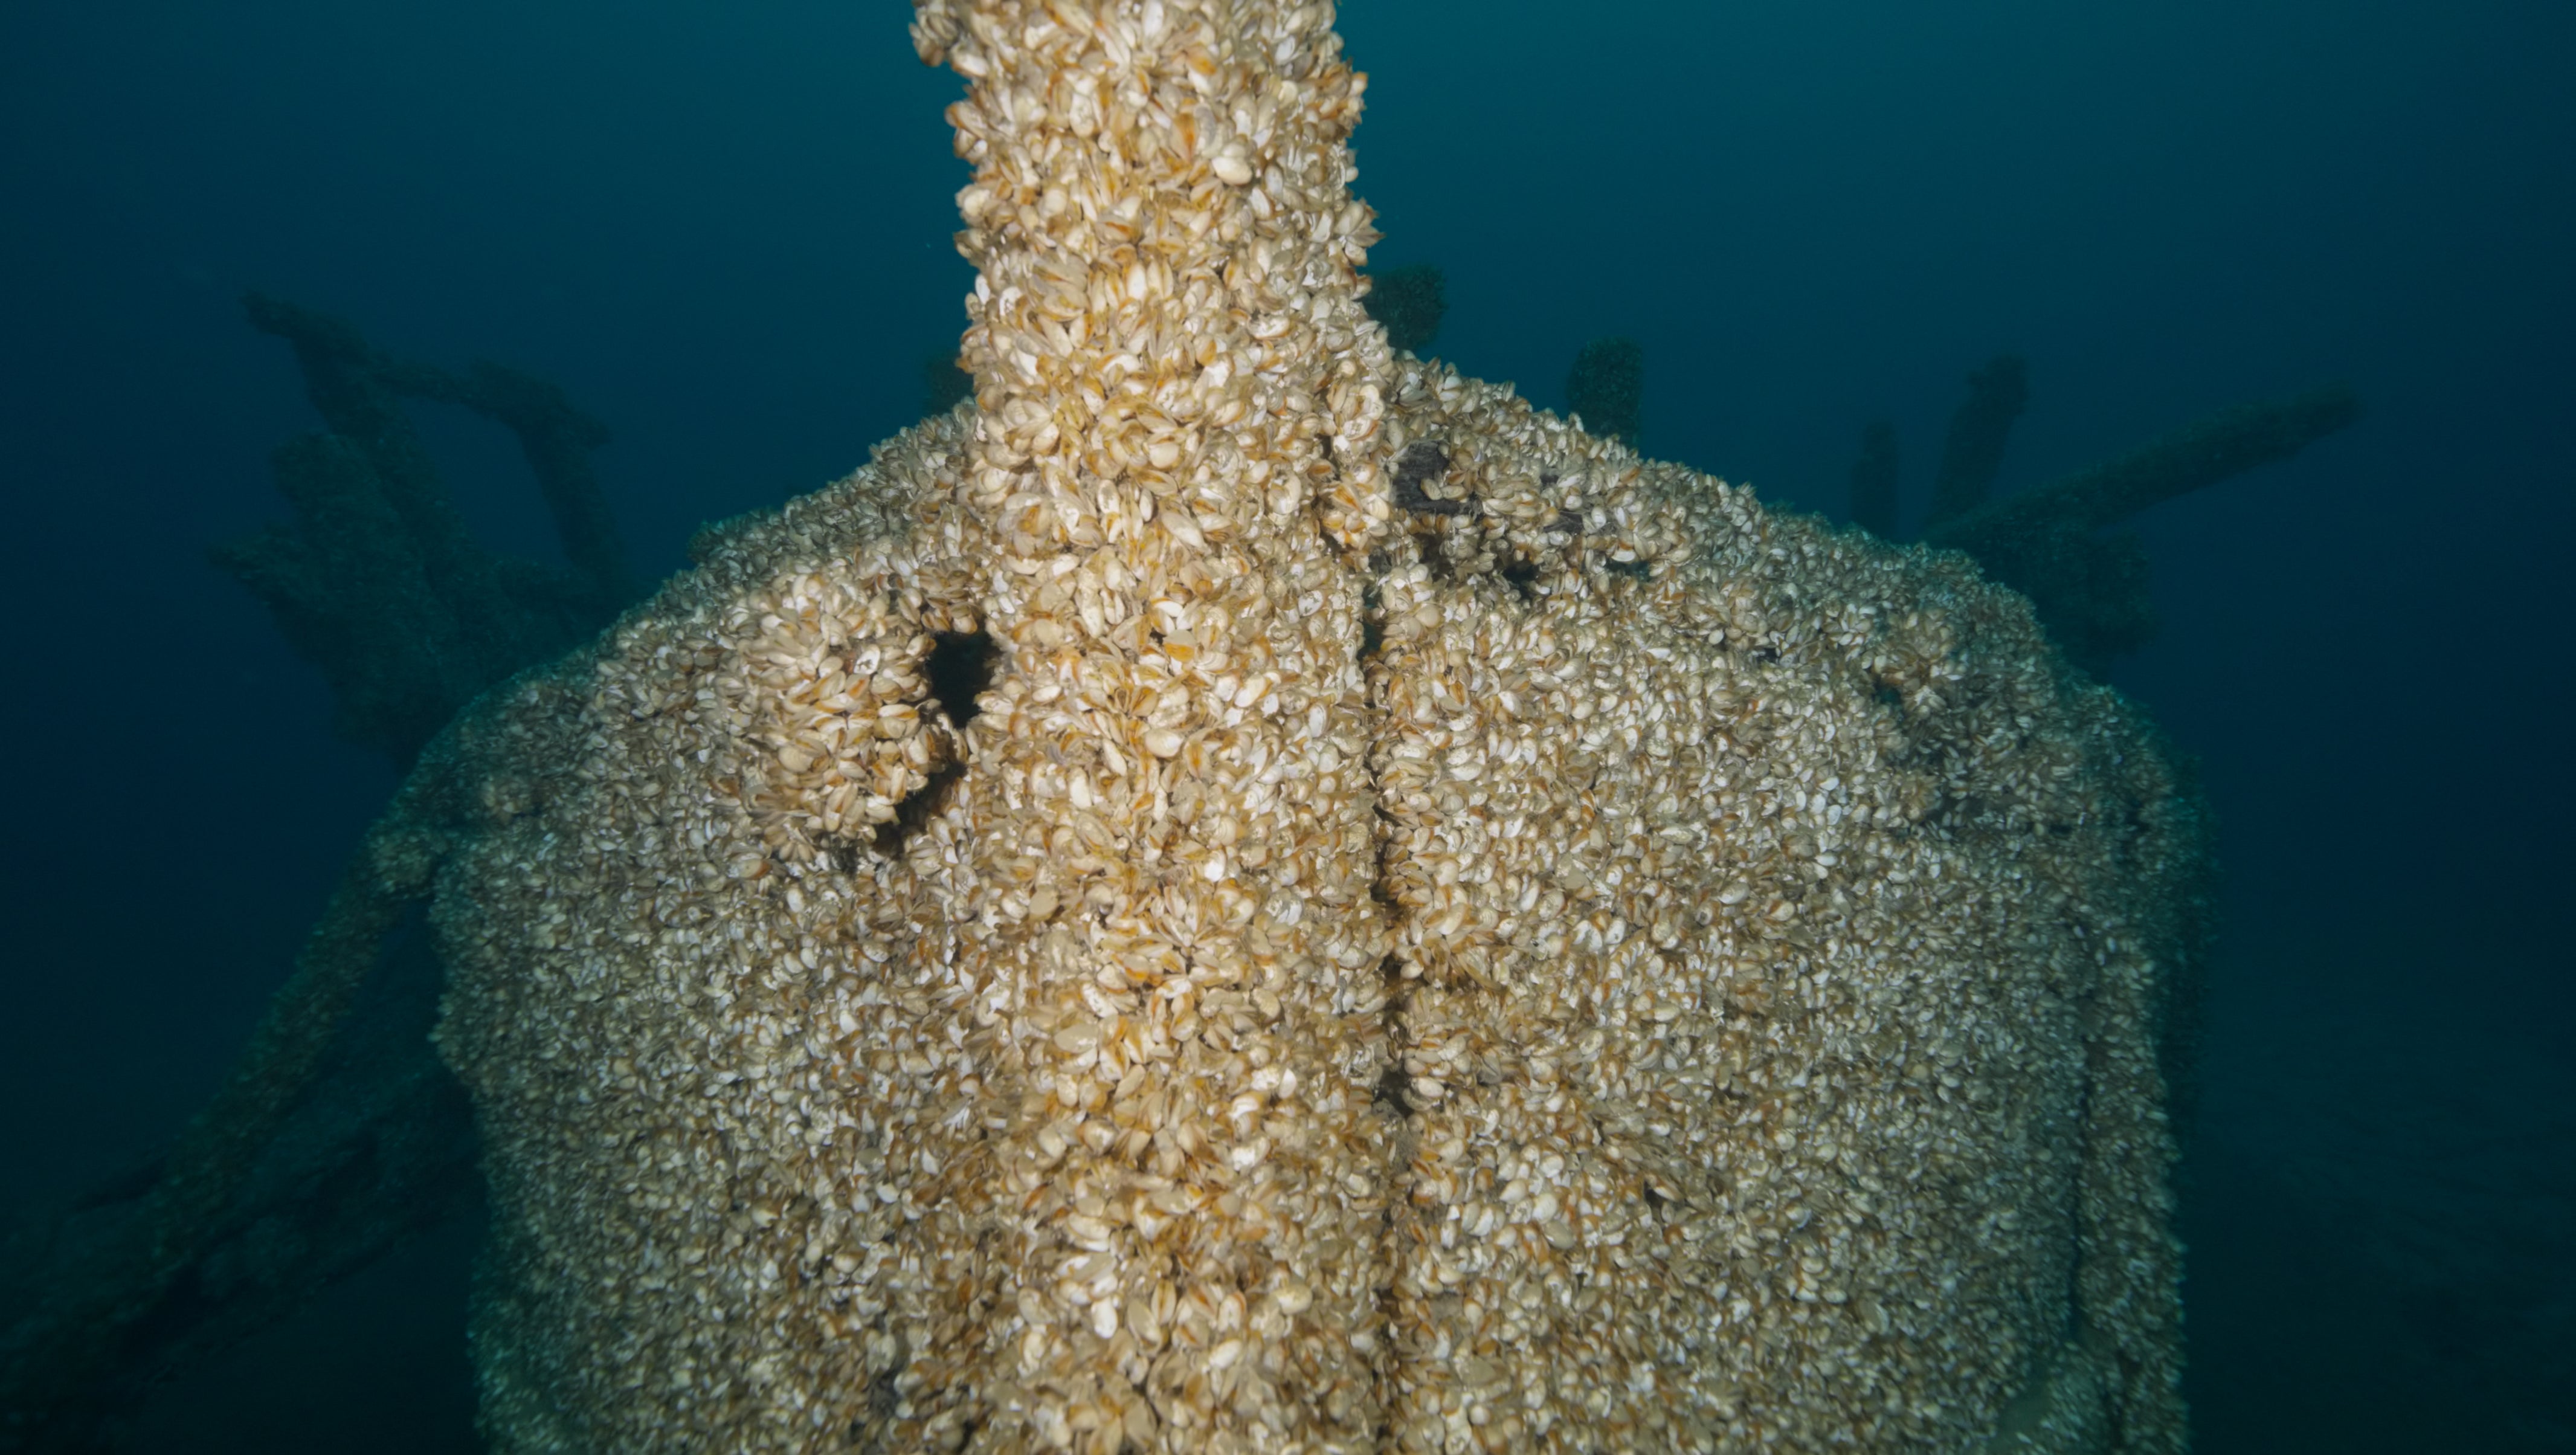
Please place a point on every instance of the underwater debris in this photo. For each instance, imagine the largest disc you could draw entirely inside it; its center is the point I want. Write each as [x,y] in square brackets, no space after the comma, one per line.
[338,1133]
[269,1194]
[1973,450]
[2089,589]
[376,579]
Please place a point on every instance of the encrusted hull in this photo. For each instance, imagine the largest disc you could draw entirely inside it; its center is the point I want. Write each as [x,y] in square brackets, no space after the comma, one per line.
[1247,893]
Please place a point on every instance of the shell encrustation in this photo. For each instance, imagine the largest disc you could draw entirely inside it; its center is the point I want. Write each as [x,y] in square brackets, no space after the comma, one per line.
[1241,892]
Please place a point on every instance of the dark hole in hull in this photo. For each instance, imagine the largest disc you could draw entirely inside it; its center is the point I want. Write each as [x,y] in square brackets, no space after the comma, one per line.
[960,668]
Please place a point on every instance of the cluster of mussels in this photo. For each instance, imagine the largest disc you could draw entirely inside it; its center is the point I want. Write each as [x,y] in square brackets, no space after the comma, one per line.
[1246,892]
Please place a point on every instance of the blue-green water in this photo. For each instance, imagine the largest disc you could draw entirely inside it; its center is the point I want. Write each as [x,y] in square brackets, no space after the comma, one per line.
[725,231]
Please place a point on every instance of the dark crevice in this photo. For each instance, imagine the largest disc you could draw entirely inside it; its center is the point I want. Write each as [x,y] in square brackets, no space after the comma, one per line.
[1633,570]
[1382,883]
[1393,1091]
[1419,465]
[960,668]
[1435,557]
[917,809]
[1523,576]
[1392,1094]
[882,1396]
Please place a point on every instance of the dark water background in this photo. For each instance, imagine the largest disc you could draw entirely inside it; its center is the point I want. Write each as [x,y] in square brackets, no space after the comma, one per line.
[725,230]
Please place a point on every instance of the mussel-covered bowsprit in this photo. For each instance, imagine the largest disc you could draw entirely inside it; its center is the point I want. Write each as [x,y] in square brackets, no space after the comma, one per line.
[1533,953]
